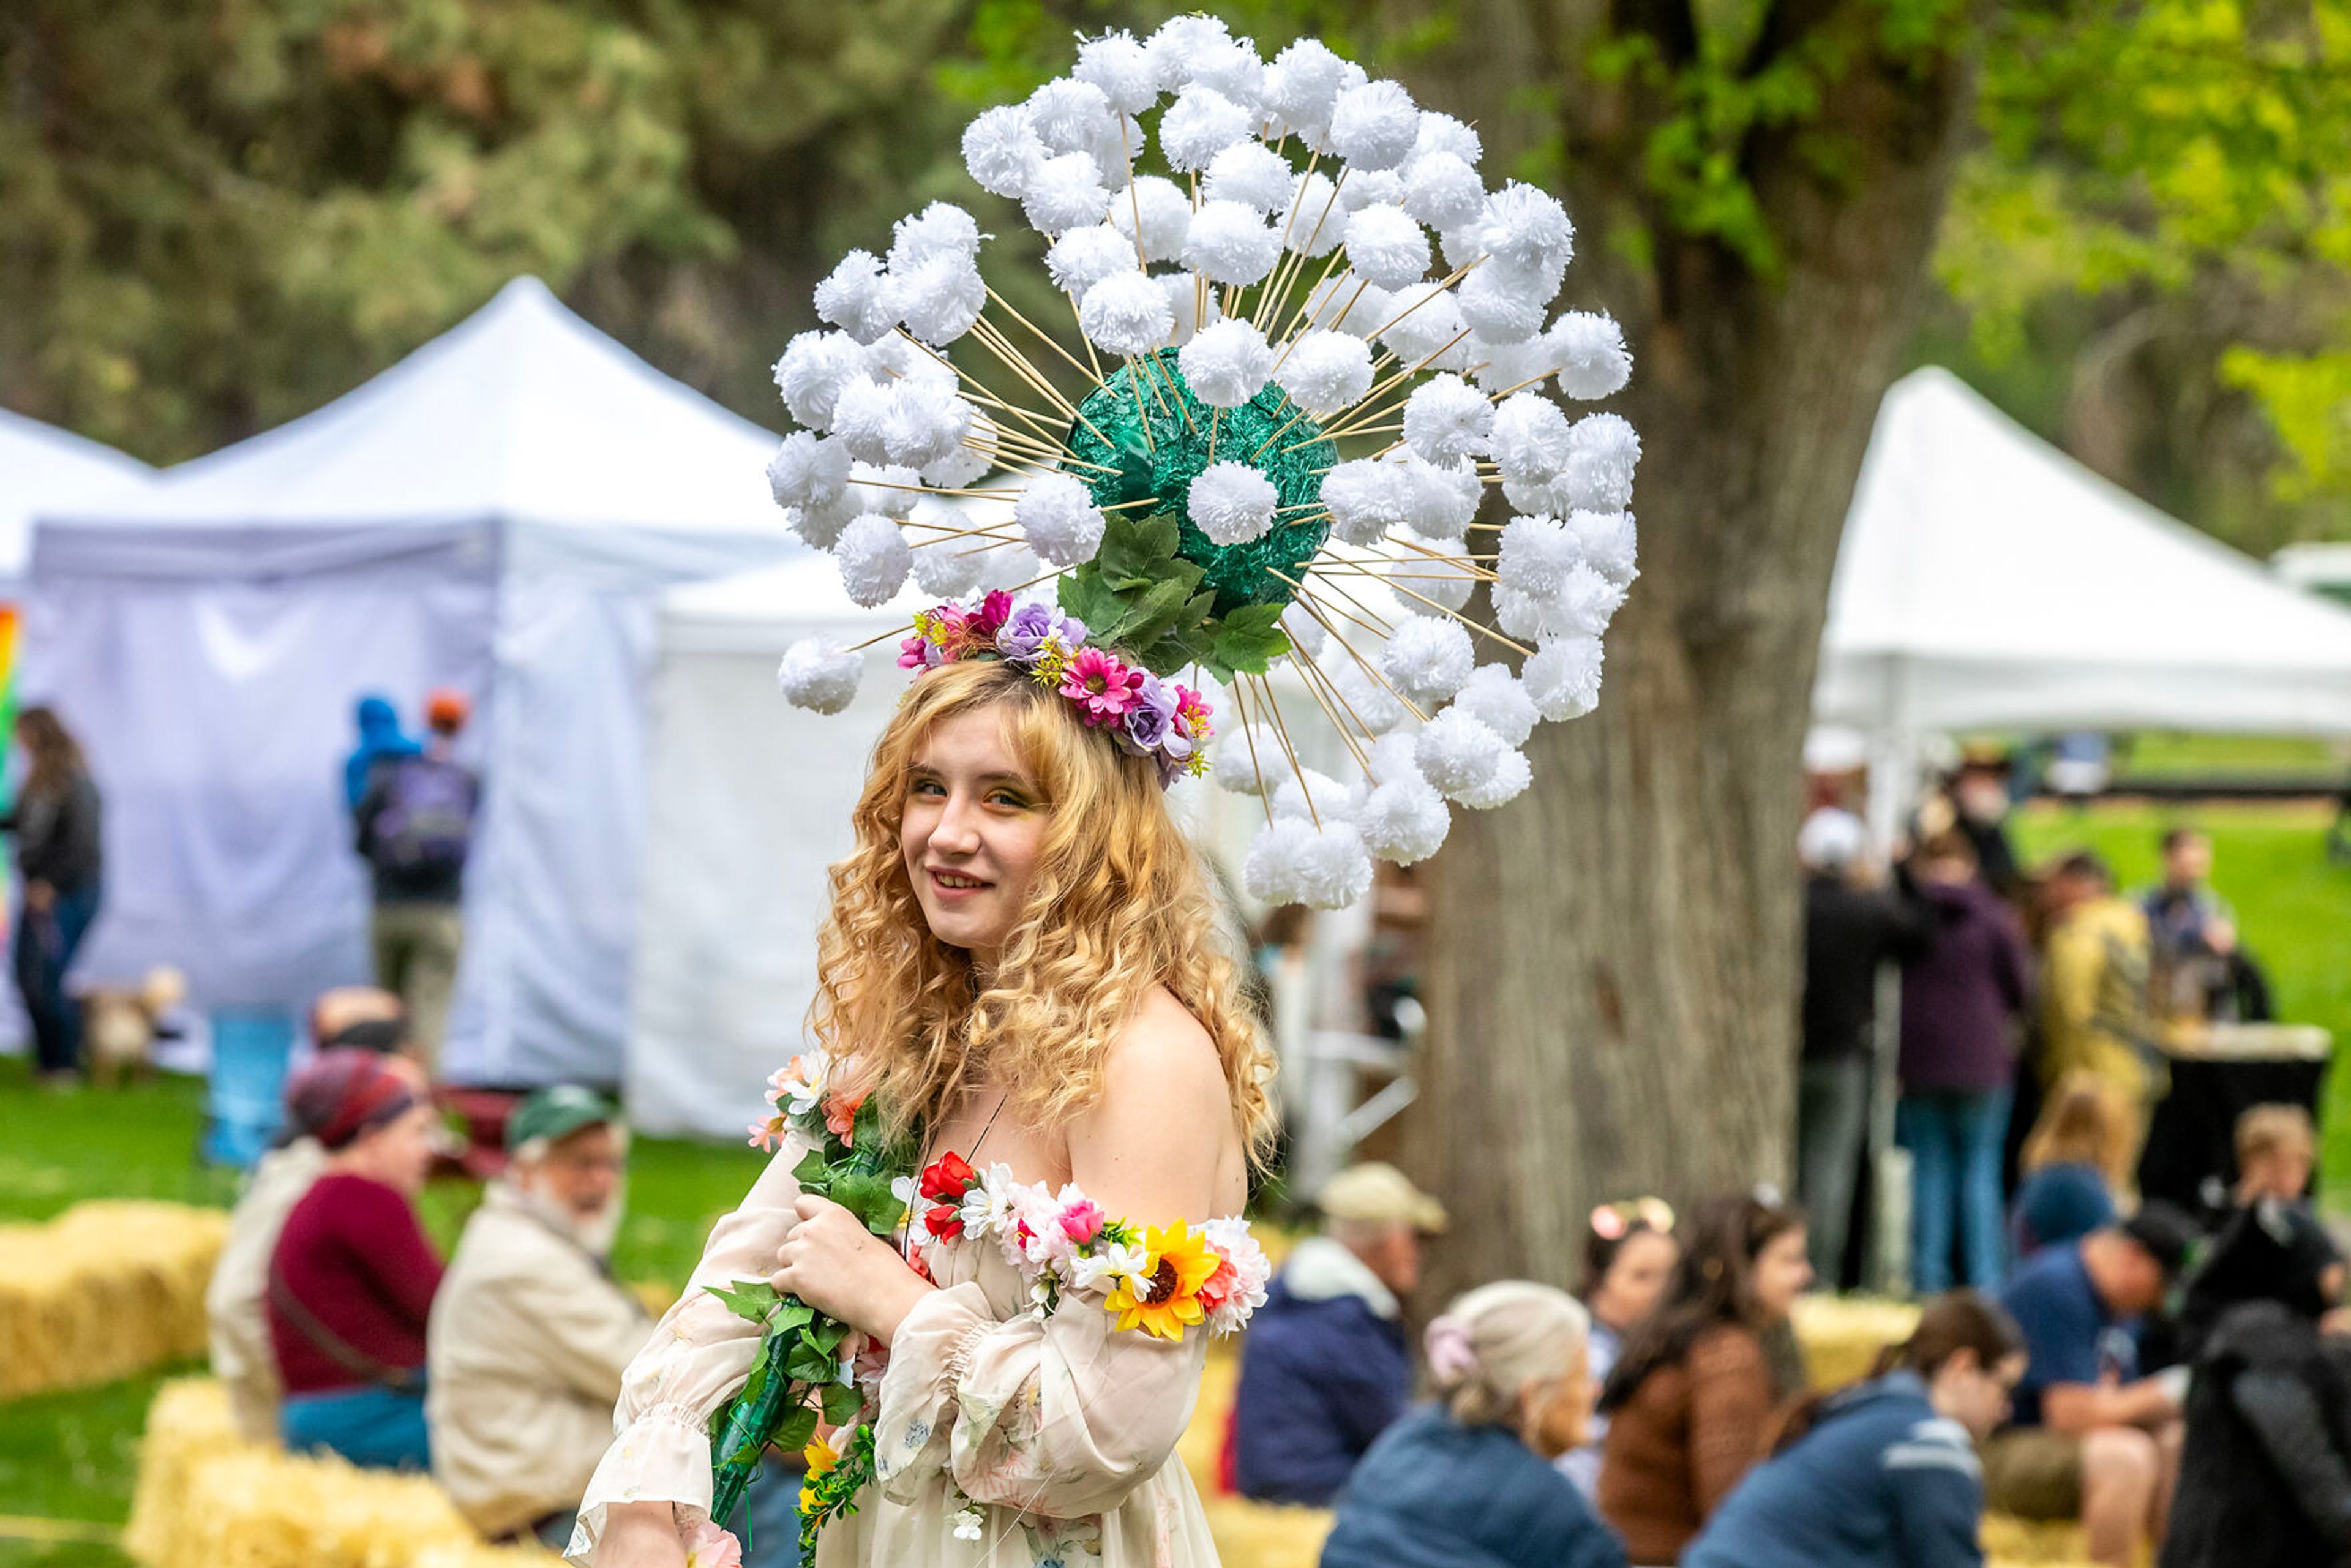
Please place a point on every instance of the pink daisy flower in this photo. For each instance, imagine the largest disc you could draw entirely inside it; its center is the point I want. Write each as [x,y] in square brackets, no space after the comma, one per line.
[1103,688]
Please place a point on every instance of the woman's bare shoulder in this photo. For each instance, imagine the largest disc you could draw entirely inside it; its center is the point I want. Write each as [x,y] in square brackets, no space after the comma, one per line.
[1165,1113]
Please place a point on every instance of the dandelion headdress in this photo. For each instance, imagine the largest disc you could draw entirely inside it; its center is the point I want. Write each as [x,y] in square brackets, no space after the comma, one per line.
[1296,403]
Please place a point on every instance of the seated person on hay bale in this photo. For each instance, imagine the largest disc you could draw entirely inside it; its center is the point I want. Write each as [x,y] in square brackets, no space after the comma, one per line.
[530,1332]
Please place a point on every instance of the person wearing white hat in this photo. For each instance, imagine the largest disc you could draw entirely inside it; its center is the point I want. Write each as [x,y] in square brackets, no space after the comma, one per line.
[1325,1369]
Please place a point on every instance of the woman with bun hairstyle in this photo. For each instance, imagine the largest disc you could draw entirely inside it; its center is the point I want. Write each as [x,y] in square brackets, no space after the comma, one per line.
[1468,1482]
[1690,1402]
[1629,1253]
[1881,1474]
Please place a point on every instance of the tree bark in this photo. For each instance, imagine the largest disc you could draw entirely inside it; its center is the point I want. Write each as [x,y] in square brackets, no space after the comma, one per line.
[1614,958]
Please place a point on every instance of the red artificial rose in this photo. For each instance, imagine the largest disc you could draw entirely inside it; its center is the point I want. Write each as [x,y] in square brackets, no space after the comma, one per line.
[945,1222]
[948,1179]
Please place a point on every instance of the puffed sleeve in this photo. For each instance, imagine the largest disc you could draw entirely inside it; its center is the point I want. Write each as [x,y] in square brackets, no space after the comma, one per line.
[699,1355]
[1061,1416]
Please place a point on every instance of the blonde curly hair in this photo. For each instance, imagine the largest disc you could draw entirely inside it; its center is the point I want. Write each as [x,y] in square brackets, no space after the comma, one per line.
[1119,902]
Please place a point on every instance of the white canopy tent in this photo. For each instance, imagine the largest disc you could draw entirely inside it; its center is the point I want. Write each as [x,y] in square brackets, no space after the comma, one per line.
[42,466]
[1987,580]
[495,513]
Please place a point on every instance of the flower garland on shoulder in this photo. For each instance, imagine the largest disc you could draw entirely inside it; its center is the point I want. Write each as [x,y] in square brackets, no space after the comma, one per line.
[1166,720]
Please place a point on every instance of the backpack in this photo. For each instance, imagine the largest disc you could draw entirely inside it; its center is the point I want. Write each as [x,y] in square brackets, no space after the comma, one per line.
[425,825]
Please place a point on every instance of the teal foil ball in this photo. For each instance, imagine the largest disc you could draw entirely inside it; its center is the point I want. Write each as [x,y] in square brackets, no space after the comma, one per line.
[1149,436]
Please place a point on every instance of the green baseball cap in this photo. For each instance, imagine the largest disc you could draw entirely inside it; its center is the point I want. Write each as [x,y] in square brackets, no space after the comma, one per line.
[555,1113]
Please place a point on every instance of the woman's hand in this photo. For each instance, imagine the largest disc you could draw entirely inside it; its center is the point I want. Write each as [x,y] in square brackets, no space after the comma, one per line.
[640,1535]
[842,1269]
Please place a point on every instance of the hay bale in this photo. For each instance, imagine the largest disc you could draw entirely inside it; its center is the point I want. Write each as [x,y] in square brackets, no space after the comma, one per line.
[1267,1535]
[207,1498]
[104,1291]
[1842,1334]
[2010,1542]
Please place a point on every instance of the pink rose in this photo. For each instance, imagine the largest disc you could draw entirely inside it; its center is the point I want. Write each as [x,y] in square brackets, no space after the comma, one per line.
[707,1546]
[1081,1221]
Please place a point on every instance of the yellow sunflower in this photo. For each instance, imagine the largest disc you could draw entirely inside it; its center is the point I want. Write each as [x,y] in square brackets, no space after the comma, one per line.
[1169,1298]
[821,1457]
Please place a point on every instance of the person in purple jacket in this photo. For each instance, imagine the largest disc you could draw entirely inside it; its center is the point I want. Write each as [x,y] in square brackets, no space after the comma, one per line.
[1959,999]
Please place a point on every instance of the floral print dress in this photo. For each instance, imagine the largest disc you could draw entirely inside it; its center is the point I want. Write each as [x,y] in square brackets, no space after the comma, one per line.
[1017,1422]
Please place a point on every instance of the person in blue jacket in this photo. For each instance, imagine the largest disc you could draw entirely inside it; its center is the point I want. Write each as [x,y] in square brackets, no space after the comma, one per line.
[380,740]
[1470,1482]
[1881,1474]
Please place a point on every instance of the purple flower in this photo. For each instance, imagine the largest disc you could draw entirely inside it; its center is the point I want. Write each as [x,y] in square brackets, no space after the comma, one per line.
[1152,717]
[1023,637]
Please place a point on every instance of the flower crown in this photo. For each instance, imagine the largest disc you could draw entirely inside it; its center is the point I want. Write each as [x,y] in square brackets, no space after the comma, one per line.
[1164,720]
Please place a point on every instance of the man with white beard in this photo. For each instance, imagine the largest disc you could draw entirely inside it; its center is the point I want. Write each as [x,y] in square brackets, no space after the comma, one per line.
[530,1332]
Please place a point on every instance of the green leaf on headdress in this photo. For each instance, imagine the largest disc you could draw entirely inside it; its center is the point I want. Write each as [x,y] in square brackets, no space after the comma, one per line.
[1135,551]
[1246,641]
[1085,595]
[843,1401]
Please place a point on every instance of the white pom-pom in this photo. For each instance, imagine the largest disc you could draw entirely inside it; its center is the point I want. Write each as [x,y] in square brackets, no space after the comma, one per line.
[815,367]
[893,358]
[1562,676]
[818,674]
[1602,451]
[1507,366]
[857,297]
[947,567]
[1456,753]
[1304,86]
[1126,313]
[1443,192]
[808,471]
[967,462]
[1327,371]
[819,527]
[926,421]
[1180,43]
[1349,304]
[1167,213]
[1377,187]
[875,559]
[1529,438]
[1231,503]
[1083,257]
[1374,126]
[1505,304]
[1366,499]
[1251,174]
[1305,633]
[1527,228]
[1420,321]
[1009,567]
[1427,658]
[1227,364]
[1272,871]
[1364,699]
[1064,192]
[1535,497]
[1058,516]
[1334,869]
[1443,134]
[1234,68]
[1313,222]
[1201,123]
[940,229]
[1610,543]
[884,488]
[861,420]
[1069,116]
[1120,67]
[1508,779]
[1496,700]
[1311,795]
[1193,305]
[940,298]
[1537,554]
[1246,759]
[1385,246]
[1446,419]
[1420,579]
[1590,350]
[1002,150]
[1403,822]
[1440,499]
[1584,605]
[1229,243]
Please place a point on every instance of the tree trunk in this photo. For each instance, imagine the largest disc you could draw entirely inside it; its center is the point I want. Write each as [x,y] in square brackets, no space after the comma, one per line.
[1614,957]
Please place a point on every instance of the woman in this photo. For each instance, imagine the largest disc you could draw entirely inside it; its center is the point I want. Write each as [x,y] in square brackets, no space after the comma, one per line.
[2075,1161]
[1464,1483]
[1881,1474]
[1691,1398]
[1629,1252]
[352,1276]
[1022,963]
[58,860]
[1960,999]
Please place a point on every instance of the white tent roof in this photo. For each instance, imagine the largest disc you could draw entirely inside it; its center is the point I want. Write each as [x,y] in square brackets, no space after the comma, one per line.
[42,466]
[522,414]
[1986,580]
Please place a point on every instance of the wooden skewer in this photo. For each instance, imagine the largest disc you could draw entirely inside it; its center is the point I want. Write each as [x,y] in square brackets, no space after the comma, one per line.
[1265,795]
[1281,733]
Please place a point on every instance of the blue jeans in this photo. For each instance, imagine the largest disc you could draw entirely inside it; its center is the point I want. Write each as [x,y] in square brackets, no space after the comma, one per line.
[45,946]
[376,1429]
[1955,1138]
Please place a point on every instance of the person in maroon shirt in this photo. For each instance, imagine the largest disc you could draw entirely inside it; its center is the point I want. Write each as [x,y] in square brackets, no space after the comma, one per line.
[353,1276]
